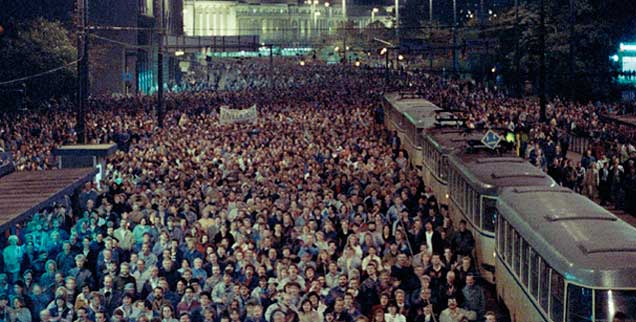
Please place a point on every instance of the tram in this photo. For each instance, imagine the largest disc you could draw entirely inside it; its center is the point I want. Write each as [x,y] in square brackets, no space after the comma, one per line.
[475,180]
[561,257]
[410,115]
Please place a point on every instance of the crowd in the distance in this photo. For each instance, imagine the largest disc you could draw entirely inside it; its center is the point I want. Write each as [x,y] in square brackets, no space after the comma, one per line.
[312,213]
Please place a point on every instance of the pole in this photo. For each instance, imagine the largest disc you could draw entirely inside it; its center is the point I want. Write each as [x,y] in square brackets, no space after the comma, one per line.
[386,67]
[271,57]
[430,12]
[572,45]
[397,18]
[518,87]
[482,24]
[542,71]
[82,72]
[454,36]
[160,108]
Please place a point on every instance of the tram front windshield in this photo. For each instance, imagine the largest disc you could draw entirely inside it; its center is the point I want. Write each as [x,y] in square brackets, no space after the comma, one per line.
[609,303]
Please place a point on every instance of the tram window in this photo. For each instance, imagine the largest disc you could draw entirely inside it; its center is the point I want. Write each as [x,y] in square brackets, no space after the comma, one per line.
[608,303]
[509,244]
[444,167]
[476,213]
[466,191]
[534,273]
[517,252]
[524,262]
[556,296]
[469,203]
[579,304]
[501,235]
[490,214]
[544,284]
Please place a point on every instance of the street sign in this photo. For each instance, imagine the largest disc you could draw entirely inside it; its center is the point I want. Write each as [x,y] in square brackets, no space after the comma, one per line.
[491,139]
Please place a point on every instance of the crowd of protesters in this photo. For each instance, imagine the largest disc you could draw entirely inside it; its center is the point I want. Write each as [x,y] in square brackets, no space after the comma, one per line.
[605,172]
[312,213]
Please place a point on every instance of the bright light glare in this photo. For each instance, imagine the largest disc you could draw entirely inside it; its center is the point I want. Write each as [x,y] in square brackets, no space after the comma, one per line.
[494,69]
[615,58]
[179,53]
[302,63]
[400,57]
[628,47]
[383,51]
[357,64]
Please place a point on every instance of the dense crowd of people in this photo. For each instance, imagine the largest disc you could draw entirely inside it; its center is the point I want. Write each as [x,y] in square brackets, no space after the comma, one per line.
[311,213]
[308,214]
[606,171]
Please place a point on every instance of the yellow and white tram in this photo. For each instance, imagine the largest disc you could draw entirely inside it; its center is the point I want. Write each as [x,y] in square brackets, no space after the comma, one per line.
[561,257]
[474,184]
[410,115]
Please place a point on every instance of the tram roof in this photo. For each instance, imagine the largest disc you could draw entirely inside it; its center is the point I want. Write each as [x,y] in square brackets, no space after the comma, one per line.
[587,244]
[419,111]
[490,173]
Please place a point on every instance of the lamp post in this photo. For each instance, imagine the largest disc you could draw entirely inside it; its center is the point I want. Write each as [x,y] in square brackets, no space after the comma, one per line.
[430,12]
[373,12]
[397,18]
[542,78]
[454,36]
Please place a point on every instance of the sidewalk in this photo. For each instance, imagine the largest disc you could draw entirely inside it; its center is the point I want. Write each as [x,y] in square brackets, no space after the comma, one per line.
[619,213]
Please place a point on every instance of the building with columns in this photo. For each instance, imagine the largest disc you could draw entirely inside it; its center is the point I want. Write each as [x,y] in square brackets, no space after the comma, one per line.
[274,21]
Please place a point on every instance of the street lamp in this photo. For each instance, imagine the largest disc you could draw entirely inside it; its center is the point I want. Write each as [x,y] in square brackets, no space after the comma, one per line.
[373,12]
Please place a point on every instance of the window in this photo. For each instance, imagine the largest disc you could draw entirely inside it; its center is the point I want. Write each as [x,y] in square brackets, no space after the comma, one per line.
[444,169]
[610,302]
[465,192]
[490,214]
[508,244]
[516,252]
[524,262]
[556,296]
[476,213]
[579,304]
[544,284]
[501,235]
[534,273]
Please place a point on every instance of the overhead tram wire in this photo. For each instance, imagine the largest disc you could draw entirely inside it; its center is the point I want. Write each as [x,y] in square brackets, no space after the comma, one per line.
[50,71]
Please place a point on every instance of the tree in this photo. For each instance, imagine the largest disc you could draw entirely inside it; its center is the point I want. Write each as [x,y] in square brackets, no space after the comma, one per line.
[598,29]
[35,47]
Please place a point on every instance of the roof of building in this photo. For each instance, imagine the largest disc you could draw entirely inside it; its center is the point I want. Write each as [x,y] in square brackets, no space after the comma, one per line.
[24,193]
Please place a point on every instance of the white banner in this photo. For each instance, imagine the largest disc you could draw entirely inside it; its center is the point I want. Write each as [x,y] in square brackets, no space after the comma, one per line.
[229,115]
